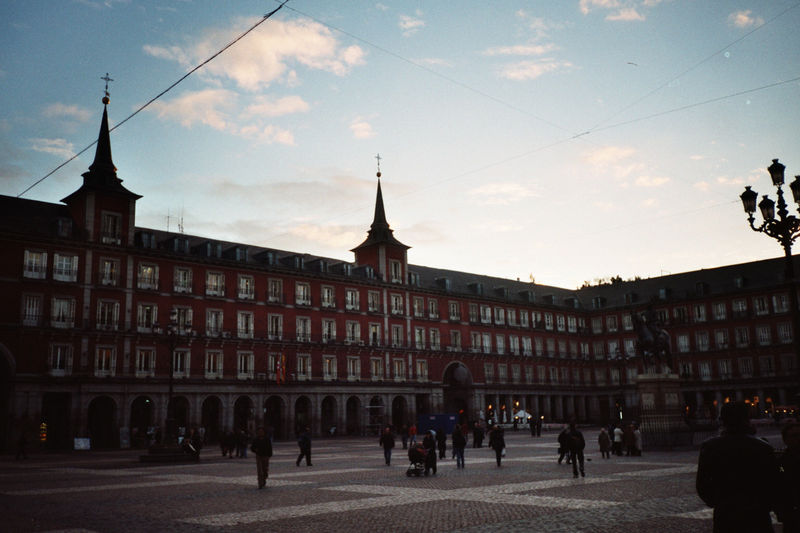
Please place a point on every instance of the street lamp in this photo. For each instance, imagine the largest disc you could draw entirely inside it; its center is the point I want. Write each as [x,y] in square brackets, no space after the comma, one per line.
[621,361]
[174,334]
[785,229]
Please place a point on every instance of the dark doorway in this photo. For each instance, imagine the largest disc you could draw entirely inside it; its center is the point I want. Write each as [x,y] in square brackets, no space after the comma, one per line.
[353,421]
[181,412]
[242,414]
[210,418]
[399,414]
[329,416]
[56,414]
[141,419]
[302,414]
[103,430]
[457,384]
[273,417]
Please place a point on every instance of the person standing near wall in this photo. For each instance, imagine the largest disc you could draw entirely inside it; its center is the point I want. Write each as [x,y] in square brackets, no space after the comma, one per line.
[262,447]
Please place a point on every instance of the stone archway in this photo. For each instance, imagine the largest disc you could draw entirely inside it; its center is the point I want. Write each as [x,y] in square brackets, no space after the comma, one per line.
[273,416]
[180,412]
[103,430]
[141,420]
[399,412]
[243,414]
[353,416]
[211,418]
[458,392]
[376,415]
[302,414]
[329,416]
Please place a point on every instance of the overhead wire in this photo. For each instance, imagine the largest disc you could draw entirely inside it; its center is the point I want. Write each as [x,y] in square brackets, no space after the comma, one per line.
[162,93]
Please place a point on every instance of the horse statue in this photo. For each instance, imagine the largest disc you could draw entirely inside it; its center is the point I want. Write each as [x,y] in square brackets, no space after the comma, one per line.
[653,345]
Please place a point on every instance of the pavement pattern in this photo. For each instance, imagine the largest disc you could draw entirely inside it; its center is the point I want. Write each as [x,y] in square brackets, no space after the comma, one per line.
[349,488]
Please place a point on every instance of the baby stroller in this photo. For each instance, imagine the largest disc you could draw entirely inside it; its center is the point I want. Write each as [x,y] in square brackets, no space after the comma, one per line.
[416,454]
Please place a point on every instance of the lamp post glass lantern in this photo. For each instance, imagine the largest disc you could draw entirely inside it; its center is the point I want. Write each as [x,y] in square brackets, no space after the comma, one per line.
[785,229]
[175,333]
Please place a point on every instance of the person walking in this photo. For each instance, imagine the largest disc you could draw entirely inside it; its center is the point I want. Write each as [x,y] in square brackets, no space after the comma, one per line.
[737,475]
[637,441]
[617,443]
[441,443]
[459,443]
[789,510]
[304,442]
[387,441]
[629,441]
[477,435]
[575,444]
[604,441]
[429,443]
[262,447]
[563,446]
[404,435]
[497,442]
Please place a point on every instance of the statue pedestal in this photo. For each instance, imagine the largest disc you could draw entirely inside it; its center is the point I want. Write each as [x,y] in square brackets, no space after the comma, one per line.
[661,412]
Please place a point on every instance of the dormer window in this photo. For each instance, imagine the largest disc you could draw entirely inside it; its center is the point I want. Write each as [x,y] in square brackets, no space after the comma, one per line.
[180,245]
[64,227]
[111,228]
[396,271]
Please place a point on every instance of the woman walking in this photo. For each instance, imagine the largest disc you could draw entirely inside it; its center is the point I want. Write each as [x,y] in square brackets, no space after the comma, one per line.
[497,442]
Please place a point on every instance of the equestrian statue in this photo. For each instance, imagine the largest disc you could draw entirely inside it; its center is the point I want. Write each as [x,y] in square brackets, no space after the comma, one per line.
[653,345]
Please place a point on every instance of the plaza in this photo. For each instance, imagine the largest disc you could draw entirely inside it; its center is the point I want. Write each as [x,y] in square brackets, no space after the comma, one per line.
[349,488]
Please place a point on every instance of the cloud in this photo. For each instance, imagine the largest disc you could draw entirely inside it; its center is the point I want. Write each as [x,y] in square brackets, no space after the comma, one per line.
[587,5]
[275,107]
[621,10]
[530,70]
[268,54]
[701,186]
[521,50]
[608,155]
[501,193]
[744,19]
[338,237]
[361,129]
[410,25]
[74,112]
[60,147]
[626,14]
[651,181]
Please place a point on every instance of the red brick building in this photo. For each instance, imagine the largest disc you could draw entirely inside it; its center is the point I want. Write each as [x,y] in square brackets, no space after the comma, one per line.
[98,316]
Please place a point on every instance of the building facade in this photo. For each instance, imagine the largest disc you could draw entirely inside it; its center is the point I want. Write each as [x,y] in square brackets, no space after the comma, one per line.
[102,322]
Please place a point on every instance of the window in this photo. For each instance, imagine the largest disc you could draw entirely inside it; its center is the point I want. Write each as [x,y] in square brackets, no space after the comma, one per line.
[215,284]
[31,310]
[303,367]
[766,365]
[302,294]
[352,332]
[611,323]
[433,308]
[572,324]
[353,368]
[397,336]
[213,322]
[720,311]
[488,372]
[105,361]
[328,330]
[511,315]
[419,338]
[760,305]
[454,310]
[422,370]
[584,346]
[686,369]
[397,304]
[539,344]
[629,345]
[614,374]
[275,327]
[721,338]
[683,343]
[244,324]
[700,313]
[35,265]
[65,267]
[244,369]
[182,280]
[701,340]
[513,344]
[499,315]
[374,334]
[487,342]
[109,272]
[627,322]
[500,342]
[785,333]
[553,374]
[111,228]
[561,325]
[376,368]
[419,307]
[374,301]
[303,329]
[613,348]
[399,369]
[60,359]
[107,315]
[780,303]
[486,314]
[527,347]
[275,291]
[597,325]
[740,308]
[247,287]
[273,364]
[435,339]
[351,299]
[681,315]
[705,370]
[528,374]
[724,366]
[599,376]
[548,321]
[599,349]
[145,362]
[327,296]
[473,313]
[329,367]
[396,269]
[455,340]
[764,335]
[523,319]
[742,337]
[746,367]
[183,316]
[213,368]
[62,312]
[502,373]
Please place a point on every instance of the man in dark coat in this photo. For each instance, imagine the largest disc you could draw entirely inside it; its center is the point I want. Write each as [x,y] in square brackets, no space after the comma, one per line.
[737,475]
[441,443]
[429,443]
[459,443]
[497,442]
[575,444]
[563,448]
[387,442]
[262,447]
[304,442]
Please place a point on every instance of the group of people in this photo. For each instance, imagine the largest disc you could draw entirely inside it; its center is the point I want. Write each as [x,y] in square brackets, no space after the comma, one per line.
[234,442]
[571,445]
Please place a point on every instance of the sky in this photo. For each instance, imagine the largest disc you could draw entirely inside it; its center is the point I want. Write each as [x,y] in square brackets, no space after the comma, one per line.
[561,141]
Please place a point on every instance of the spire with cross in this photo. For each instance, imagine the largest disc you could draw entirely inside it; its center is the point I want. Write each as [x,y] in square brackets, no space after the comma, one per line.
[106,98]
[378,157]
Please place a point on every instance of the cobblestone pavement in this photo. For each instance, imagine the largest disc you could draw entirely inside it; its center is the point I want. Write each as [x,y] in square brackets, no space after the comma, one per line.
[349,488]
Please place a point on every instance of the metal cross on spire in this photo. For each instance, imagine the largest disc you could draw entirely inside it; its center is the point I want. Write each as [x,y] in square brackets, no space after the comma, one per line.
[378,157]
[107,79]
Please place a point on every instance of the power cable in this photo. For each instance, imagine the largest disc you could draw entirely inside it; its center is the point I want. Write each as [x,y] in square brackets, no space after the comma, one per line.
[162,93]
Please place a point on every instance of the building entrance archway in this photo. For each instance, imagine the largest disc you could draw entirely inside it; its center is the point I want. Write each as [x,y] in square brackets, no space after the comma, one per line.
[273,416]
[141,420]
[211,418]
[328,414]
[103,430]
[458,392]
[353,416]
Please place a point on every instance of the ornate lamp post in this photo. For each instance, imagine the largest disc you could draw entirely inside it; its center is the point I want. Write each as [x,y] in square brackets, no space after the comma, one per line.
[174,334]
[785,229]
